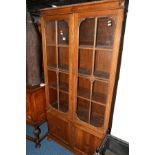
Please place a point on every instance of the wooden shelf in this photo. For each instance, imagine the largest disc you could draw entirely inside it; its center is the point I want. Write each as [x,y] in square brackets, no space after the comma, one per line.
[54,66]
[84,93]
[98,47]
[63,45]
[96,120]
[63,67]
[101,74]
[53,85]
[63,86]
[50,45]
[105,48]
[62,106]
[86,47]
[82,114]
[99,98]
[84,71]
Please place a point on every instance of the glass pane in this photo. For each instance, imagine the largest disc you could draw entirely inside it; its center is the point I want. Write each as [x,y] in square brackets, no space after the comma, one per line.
[51,56]
[83,109]
[86,32]
[50,32]
[53,98]
[105,32]
[63,58]
[102,63]
[83,87]
[63,82]
[63,102]
[97,115]
[63,32]
[85,61]
[100,91]
[52,79]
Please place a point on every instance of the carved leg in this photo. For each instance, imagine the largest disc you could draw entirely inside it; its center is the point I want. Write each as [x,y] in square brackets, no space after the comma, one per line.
[37,132]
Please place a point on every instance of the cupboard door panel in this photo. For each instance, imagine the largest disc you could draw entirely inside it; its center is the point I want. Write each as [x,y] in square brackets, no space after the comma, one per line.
[85,142]
[58,127]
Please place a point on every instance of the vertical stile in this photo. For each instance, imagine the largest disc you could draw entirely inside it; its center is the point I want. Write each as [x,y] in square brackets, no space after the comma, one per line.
[57,59]
[93,64]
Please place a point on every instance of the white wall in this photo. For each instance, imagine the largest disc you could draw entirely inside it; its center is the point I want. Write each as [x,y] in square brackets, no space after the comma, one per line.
[134,119]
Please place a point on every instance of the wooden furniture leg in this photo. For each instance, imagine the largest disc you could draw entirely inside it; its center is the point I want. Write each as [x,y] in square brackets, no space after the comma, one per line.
[37,132]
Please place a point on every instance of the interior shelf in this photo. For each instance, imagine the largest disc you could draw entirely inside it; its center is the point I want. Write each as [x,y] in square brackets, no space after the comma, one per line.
[96,120]
[83,109]
[89,47]
[53,85]
[63,82]
[62,106]
[101,74]
[63,45]
[63,86]
[84,71]
[63,67]
[84,93]
[99,98]
[63,102]
[83,115]
[100,91]
[101,47]
[97,115]
[50,45]
[83,87]
[53,66]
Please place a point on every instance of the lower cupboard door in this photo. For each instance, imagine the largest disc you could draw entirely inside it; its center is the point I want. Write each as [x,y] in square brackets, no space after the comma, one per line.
[58,128]
[85,143]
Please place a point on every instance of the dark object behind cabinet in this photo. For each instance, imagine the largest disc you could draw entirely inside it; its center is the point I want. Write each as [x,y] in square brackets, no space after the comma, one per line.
[33,53]
[113,146]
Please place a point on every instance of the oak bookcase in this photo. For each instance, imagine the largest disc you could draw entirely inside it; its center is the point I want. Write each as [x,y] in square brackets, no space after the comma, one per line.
[81,48]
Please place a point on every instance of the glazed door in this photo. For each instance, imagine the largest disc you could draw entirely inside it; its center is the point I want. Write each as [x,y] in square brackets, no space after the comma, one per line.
[57,61]
[95,44]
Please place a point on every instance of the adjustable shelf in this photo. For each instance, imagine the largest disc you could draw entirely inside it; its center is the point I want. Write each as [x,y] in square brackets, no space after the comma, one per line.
[63,45]
[101,74]
[62,104]
[86,47]
[62,107]
[97,114]
[99,98]
[83,93]
[64,68]
[84,72]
